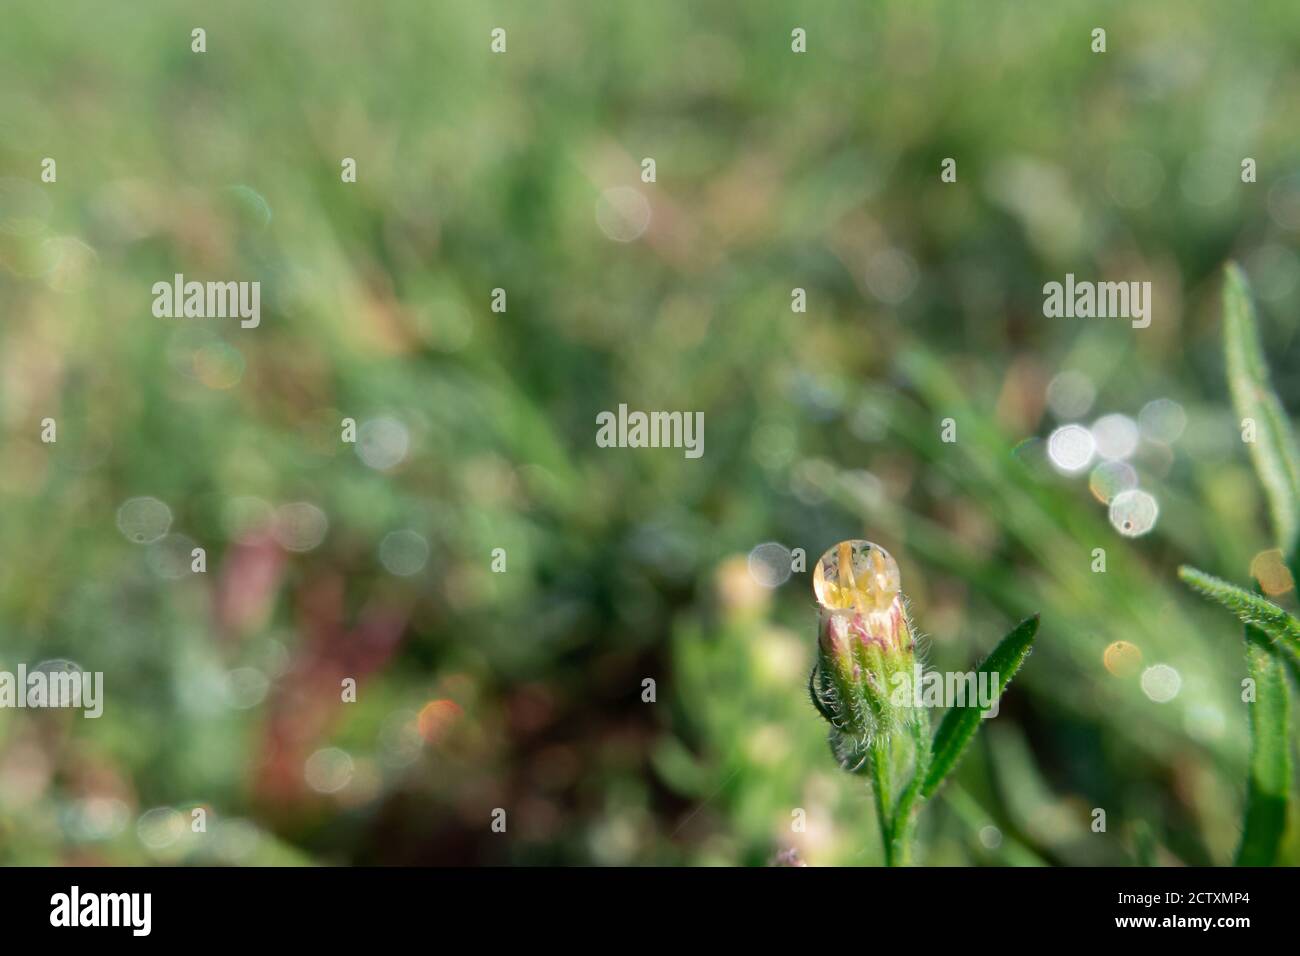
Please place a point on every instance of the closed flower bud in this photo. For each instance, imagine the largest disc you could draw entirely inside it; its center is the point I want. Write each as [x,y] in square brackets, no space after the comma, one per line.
[865,648]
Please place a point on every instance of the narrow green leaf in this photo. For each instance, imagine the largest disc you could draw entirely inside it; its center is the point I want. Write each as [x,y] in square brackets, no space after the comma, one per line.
[1268,786]
[1277,462]
[1144,844]
[1251,609]
[1274,451]
[960,723]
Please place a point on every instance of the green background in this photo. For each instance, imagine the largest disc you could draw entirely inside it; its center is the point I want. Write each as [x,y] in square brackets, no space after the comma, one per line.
[523,690]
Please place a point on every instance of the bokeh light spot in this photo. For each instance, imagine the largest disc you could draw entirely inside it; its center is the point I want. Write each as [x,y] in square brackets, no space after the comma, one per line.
[246,687]
[403,553]
[1161,683]
[1110,478]
[383,443]
[891,276]
[329,770]
[1116,436]
[1071,448]
[143,520]
[1070,394]
[769,564]
[623,213]
[1162,420]
[160,827]
[1133,512]
[1270,570]
[218,365]
[300,526]
[436,719]
[1122,658]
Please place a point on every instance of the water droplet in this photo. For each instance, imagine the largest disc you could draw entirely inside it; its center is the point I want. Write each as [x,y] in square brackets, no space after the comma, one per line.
[856,575]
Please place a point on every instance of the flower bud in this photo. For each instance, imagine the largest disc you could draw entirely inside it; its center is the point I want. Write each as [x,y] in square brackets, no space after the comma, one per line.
[862,681]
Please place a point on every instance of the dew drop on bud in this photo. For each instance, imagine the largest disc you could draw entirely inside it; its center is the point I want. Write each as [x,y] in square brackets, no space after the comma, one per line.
[856,575]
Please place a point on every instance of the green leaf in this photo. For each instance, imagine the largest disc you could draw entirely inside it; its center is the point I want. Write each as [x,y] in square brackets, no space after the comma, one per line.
[1277,462]
[1268,786]
[1144,844]
[1251,609]
[1274,452]
[960,723]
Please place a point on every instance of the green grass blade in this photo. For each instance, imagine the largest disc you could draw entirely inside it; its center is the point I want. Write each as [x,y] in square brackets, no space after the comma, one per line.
[1251,609]
[1274,452]
[1269,782]
[960,723]
[1144,844]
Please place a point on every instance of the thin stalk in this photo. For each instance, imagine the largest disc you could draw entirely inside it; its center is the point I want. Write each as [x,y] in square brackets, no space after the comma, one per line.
[881,774]
[904,823]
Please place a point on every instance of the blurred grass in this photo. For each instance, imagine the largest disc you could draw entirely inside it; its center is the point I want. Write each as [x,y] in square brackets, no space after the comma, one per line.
[477,172]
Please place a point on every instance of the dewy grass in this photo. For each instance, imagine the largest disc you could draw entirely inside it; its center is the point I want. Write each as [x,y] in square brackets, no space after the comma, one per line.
[1272,634]
[861,685]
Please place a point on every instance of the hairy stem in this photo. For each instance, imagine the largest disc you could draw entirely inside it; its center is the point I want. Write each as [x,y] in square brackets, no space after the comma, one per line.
[904,823]
[881,774]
